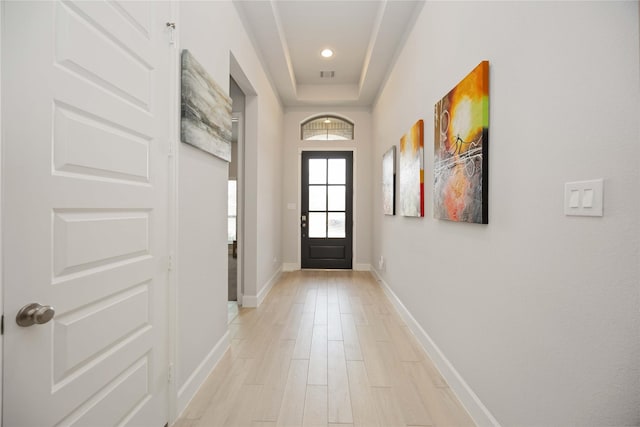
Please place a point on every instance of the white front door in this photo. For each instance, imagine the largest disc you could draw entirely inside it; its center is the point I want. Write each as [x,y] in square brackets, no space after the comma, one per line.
[85,117]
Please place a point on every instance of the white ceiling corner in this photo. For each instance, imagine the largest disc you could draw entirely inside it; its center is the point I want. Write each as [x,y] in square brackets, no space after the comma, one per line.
[366,36]
[372,43]
[283,45]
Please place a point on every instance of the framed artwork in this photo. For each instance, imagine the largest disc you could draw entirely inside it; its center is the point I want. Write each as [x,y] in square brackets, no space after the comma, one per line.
[389,181]
[412,171]
[461,143]
[205,110]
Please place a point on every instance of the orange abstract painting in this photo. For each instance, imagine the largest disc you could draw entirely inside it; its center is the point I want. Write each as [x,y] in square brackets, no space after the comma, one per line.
[412,171]
[461,142]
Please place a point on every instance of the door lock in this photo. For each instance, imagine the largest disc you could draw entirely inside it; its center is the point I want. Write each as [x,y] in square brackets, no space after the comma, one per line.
[34,314]
[303,224]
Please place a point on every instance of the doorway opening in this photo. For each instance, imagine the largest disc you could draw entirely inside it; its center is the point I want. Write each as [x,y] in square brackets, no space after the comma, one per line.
[235,209]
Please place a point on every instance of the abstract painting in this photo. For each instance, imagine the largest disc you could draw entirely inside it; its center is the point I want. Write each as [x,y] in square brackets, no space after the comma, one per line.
[389,181]
[412,171]
[461,143]
[205,110]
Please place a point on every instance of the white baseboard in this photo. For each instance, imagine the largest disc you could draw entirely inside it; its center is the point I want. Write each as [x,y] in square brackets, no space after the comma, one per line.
[197,378]
[362,267]
[239,298]
[480,413]
[255,301]
[249,301]
[290,266]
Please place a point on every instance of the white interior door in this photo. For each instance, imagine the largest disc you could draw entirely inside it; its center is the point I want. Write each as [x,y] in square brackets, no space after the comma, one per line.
[85,116]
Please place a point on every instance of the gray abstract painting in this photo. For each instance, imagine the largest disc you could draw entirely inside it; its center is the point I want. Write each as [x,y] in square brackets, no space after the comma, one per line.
[205,110]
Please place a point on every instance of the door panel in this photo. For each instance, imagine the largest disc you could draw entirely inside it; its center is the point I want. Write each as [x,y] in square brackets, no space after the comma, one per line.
[327,209]
[85,88]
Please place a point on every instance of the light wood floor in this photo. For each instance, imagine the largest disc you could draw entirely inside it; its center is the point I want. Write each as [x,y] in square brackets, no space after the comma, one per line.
[324,349]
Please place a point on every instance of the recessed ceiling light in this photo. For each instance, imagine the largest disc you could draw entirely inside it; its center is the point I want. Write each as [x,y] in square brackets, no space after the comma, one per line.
[327,53]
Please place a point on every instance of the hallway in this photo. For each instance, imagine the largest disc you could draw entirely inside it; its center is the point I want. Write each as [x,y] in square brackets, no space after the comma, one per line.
[324,349]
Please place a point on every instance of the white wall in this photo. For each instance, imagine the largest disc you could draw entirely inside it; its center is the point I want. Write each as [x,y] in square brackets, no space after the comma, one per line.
[363,183]
[267,176]
[538,312]
[211,30]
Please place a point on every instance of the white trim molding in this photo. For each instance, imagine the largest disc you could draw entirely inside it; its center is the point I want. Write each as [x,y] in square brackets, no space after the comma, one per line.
[172,222]
[249,301]
[361,267]
[471,402]
[191,386]
[255,301]
[290,266]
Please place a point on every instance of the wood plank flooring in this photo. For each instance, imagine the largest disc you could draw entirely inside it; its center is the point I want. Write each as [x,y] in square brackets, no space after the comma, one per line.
[325,349]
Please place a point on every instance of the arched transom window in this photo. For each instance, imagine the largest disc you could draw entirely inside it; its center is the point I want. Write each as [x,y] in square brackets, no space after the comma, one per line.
[326,128]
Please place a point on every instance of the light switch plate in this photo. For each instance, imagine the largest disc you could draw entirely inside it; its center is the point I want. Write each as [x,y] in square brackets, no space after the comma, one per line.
[584,198]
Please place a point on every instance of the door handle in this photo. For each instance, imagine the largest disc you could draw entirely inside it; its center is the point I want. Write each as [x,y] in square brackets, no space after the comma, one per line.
[34,314]
[303,225]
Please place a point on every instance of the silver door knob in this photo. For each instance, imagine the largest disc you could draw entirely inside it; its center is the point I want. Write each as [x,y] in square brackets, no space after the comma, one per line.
[32,314]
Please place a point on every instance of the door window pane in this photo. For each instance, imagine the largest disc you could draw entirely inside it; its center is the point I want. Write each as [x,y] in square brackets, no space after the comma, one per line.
[317,198]
[317,171]
[231,229]
[336,224]
[317,224]
[231,212]
[327,128]
[337,171]
[231,200]
[337,197]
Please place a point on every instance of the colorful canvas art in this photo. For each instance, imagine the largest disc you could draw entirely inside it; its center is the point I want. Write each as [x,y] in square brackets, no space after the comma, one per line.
[461,139]
[205,110]
[389,181]
[412,171]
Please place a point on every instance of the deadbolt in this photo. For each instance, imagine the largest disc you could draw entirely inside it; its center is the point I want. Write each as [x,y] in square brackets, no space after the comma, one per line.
[34,314]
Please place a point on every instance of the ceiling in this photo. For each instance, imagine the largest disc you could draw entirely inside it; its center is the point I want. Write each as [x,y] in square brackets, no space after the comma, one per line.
[365,35]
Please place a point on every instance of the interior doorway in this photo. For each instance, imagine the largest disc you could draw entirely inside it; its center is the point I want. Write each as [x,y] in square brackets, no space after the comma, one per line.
[235,220]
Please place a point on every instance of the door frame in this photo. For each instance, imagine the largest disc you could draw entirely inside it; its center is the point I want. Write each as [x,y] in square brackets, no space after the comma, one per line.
[354,232]
[175,83]
[2,143]
[240,208]
[250,181]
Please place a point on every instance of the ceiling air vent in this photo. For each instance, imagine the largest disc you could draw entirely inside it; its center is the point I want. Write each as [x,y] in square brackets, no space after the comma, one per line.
[327,74]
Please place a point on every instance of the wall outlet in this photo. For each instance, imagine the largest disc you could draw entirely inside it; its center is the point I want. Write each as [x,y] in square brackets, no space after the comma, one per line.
[381,263]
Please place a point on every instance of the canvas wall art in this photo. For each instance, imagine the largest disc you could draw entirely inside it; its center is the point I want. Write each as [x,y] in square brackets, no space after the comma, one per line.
[412,171]
[461,142]
[389,181]
[205,110]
